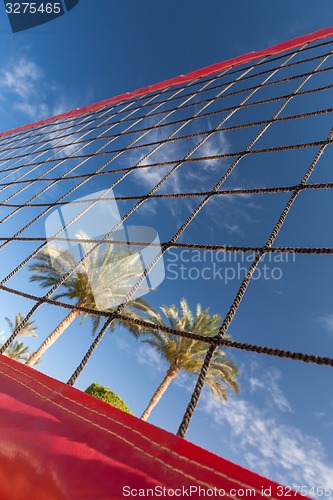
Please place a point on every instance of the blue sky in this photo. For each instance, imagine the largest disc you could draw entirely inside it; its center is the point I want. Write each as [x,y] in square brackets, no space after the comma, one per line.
[280,425]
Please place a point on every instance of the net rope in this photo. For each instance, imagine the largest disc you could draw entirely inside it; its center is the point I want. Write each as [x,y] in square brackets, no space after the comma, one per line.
[79,151]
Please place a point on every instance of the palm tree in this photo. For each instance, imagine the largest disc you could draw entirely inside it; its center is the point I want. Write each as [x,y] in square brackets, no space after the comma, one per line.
[183,354]
[100,282]
[29,330]
[17,350]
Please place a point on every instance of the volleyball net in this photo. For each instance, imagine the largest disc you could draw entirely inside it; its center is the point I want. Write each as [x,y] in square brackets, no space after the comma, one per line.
[145,170]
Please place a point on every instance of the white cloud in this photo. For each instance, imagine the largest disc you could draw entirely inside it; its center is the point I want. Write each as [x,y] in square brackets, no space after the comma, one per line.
[269,382]
[149,177]
[67,146]
[123,344]
[233,213]
[24,88]
[185,381]
[260,434]
[21,78]
[189,177]
[233,228]
[271,448]
[21,82]
[33,110]
[217,144]
[147,355]
[255,384]
[149,208]
[327,322]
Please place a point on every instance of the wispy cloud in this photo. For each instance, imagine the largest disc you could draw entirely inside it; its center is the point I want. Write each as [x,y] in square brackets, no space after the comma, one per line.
[327,322]
[21,78]
[235,213]
[33,110]
[262,438]
[25,88]
[67,146]
[190,177]
[123,344]
[21,83]
[269,382]
[147,355]
[281,452]
[149,177]
[149,208]
[215,145]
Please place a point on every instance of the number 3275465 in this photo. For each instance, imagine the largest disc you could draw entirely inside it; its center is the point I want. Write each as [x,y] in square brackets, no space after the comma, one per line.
[33,8]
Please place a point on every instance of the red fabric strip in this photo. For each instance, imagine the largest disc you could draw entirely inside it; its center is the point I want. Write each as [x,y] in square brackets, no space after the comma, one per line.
[60,443]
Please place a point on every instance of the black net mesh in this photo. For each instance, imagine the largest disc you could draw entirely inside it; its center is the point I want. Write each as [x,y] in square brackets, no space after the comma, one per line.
[178,162]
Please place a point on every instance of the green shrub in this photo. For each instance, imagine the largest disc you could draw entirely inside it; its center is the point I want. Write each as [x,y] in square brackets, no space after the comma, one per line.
[106,395]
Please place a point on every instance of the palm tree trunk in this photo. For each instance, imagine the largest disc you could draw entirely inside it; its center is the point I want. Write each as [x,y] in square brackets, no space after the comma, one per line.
[171,374]
[53,336]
